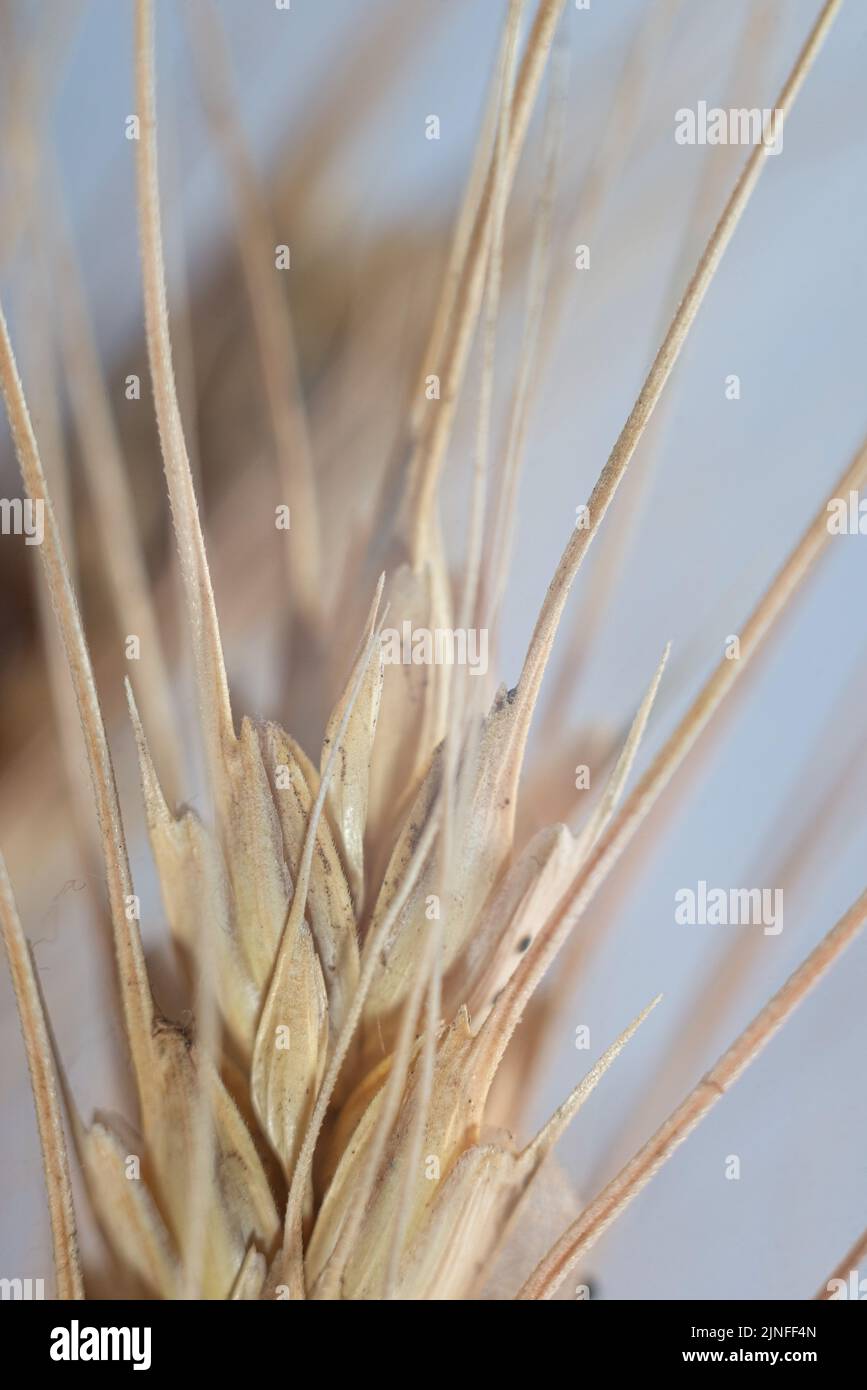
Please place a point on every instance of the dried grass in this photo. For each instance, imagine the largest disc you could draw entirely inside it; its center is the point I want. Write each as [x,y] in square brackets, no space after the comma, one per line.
[345,1036]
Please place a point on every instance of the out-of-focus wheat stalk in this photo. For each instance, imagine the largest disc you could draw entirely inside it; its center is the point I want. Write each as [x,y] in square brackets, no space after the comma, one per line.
[45,1097]
[629,1182]
[852,1260]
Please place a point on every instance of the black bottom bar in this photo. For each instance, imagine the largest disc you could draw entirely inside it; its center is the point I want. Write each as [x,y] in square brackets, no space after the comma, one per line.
[66,1339]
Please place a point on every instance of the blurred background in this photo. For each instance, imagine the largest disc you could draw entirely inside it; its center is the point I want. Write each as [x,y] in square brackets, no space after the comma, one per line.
[333,98]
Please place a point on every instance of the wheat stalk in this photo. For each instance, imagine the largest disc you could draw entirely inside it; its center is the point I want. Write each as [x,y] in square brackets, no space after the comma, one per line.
[575,1242]
[852,1260]
[45,1097]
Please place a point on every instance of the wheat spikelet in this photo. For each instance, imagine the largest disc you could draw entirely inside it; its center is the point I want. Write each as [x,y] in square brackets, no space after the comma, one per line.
[361,932]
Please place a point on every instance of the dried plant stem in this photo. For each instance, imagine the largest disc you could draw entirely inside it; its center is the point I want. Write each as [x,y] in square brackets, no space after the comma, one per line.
[627,442]
[614,1198]
[538,1150]
[272,323]
[592,615]
[114,513]
[69,729]
[628,107]
[46,1099]
[563,1116]
[427,459]
[138,1003]
[210,669]
[500,530]
[608,849]
[822,836]
[852,1260]
[387,42]
[183,341]
[451,279]
[613,789]
[392,484]
[545,1006]
[615,144]
[39,370]
[548,1004]
[31,77]
[469,596]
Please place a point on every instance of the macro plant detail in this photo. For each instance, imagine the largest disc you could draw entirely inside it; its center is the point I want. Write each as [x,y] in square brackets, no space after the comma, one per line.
[370,928]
